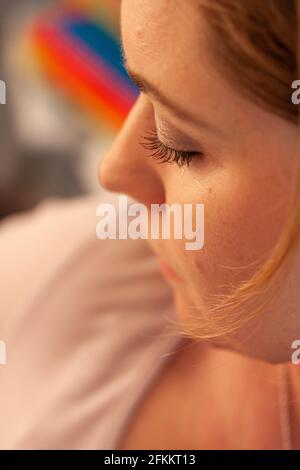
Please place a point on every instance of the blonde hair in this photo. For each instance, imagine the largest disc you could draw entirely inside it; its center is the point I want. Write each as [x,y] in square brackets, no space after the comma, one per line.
[257,45]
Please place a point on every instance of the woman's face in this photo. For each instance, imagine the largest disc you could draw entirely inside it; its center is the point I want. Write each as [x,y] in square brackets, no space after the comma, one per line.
[243,172]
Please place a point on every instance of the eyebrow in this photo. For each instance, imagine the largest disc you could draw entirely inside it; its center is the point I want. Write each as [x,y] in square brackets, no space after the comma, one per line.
[146,87]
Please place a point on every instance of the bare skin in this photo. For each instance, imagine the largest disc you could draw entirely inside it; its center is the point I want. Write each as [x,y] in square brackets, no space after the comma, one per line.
[196,404]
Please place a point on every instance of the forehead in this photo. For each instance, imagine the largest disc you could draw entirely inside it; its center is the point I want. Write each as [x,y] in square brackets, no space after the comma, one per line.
[157,29]
[167,42]
[164,41]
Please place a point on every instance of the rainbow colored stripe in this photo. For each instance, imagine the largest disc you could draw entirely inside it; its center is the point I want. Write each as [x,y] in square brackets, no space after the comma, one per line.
[78,45]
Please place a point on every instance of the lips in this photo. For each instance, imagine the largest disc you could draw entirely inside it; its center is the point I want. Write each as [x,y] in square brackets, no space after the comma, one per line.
[168,272]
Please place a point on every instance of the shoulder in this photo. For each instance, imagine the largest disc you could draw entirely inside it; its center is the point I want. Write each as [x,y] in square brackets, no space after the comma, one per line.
[34,244]
[55,247]
[78,315]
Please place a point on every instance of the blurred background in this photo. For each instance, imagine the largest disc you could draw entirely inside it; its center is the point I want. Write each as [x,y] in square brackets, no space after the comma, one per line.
[67,96]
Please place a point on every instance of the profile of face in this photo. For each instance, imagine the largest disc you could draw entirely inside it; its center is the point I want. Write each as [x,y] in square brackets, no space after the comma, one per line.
[241,158]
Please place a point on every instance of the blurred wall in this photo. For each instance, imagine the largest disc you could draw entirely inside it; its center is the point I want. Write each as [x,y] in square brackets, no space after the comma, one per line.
[27,174]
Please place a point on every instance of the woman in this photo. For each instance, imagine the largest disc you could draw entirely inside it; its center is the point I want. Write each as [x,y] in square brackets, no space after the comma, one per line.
[215,108]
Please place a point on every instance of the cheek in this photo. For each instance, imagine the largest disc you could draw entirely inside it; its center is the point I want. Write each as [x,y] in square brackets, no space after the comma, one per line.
[245,211]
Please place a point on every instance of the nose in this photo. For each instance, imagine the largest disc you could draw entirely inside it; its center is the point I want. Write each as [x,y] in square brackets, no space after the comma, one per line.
[125,168]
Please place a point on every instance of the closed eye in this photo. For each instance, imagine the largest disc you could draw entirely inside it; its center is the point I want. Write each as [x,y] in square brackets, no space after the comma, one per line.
[164,153]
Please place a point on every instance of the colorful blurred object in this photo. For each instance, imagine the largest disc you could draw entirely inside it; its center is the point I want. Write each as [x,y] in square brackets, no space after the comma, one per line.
[77,43]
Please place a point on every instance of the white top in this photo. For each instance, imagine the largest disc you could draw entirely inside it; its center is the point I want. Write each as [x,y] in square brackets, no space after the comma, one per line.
[87,326]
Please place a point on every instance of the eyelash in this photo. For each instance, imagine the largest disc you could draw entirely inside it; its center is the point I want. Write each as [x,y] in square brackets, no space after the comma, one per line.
[166,154]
